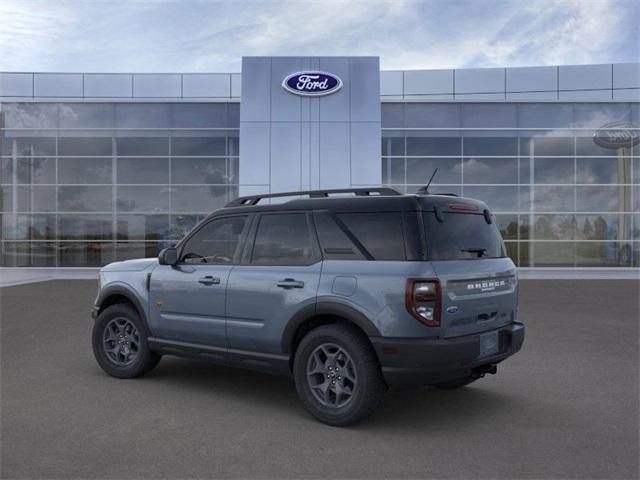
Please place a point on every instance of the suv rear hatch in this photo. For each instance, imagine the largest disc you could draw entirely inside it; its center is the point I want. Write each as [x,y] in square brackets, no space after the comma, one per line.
[478,281]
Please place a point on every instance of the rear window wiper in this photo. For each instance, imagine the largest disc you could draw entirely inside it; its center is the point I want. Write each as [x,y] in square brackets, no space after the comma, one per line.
[479,251]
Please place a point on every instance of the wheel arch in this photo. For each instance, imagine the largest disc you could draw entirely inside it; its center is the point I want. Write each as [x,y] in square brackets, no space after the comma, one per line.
[118,294]
[323,313]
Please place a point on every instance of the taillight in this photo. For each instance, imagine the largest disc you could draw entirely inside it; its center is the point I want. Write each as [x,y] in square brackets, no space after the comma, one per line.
[422,299]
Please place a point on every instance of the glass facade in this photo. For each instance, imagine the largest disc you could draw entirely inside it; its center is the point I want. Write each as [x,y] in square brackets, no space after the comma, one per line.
[84,184]
[560,199]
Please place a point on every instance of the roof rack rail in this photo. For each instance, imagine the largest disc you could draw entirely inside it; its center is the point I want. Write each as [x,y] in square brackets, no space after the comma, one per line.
[360,192]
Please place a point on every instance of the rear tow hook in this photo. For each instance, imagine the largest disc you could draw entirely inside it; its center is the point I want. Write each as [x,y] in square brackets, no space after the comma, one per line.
[483,370]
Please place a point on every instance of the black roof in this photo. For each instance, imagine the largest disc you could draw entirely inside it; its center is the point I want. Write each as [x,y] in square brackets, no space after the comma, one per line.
[384,200]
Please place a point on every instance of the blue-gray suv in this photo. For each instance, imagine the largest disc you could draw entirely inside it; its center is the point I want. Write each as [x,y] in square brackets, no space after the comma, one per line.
[348,291]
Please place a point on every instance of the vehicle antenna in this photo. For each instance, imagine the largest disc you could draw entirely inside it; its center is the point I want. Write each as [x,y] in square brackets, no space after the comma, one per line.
[425,190]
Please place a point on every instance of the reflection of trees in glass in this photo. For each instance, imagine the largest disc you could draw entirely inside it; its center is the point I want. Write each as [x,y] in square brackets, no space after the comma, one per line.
[555,227]
[510,232]
[599,229]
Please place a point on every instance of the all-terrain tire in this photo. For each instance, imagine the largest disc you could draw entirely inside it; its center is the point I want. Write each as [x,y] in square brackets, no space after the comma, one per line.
[120,344]
[361,375]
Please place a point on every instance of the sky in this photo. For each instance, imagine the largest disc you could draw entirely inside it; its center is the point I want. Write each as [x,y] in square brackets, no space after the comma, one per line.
[212,36]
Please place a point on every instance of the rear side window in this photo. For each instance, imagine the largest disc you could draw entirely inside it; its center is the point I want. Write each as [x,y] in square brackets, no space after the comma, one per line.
[462,236]
[380,233]
[335,243]
[283,239]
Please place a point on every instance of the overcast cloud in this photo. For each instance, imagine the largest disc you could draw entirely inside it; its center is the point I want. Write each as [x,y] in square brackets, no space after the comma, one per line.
[212,36]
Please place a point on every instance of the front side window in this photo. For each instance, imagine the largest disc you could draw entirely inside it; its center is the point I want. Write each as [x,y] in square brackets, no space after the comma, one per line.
[462,236]
[217,242]
[283,239]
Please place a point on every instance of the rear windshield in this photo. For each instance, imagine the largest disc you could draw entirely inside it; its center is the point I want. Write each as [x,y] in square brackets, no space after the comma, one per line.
[462,236]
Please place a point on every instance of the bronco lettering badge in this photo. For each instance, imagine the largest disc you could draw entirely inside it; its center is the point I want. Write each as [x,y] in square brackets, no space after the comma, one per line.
[486,285]
[312,84]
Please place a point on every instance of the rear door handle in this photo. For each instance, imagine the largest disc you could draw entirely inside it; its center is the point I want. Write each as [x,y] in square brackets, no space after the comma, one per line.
[209,280]
[290,283]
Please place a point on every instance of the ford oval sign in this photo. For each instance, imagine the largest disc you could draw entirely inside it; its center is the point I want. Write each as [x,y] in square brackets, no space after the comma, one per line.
[312,84]
[617,135]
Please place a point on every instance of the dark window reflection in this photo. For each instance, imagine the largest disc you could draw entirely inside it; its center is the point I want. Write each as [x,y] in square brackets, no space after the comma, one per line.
[28,227]
[508,226]
[490,146]
[143,170]
[6,170]
[419,170]
[512,251]
[554,227]
[36,170]
[44,145]
[498,199]
[142,115]
[85,227]
[393,171]
[84,199]
[553,170]
[392,145]
[143,199]
[603,170]
[490,170]
[432,146]
[198,199]
[199,115]
[554,199]
[143,227]
[432,115]
[36,199]
[392,115]
[84,146]
[84,170]
[200,170]
[142,146]
[71,254]
[489,115]
[198,146]
[36,254]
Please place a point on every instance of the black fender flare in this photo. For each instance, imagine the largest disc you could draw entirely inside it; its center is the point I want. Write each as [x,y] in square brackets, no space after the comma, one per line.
[330,309]
[123,291]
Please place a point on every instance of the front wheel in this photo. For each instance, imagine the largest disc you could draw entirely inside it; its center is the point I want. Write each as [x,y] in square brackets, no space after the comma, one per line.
[337,375]
[120,343]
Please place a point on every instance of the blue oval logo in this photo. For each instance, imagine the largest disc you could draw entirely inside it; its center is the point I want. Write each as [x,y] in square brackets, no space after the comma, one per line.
[452,309]
[312,84]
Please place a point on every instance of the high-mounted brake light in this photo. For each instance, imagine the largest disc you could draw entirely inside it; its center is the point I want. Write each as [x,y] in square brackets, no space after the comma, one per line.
[462,207]
[423,300]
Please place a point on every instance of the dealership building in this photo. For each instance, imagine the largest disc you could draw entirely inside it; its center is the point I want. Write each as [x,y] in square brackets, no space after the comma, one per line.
[98,167]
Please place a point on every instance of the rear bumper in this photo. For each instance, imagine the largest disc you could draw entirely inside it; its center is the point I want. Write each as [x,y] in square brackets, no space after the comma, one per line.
[413,362]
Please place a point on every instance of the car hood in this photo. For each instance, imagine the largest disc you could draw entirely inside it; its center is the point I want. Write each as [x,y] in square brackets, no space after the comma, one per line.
[136,265]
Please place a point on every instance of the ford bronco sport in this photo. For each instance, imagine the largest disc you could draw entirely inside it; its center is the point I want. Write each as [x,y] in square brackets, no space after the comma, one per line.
[348,291]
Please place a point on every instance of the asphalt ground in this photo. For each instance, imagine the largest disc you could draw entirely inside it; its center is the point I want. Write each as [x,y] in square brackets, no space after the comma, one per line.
[566,406]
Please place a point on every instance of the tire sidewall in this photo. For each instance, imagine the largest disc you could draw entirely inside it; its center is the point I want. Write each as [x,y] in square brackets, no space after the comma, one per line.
[145,355]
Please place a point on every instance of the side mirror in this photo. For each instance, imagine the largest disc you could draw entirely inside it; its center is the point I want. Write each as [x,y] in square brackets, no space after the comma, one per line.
[168,256]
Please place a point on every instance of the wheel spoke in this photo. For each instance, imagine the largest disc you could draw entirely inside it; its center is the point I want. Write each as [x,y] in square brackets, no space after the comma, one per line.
[121,341]
[331,375]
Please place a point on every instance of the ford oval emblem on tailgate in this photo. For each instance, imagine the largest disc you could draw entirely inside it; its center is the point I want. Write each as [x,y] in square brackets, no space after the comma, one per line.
[453,309]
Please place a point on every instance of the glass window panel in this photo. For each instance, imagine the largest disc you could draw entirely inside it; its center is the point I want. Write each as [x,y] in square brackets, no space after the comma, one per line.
[545,115]
[28,227]
[85,254]
[524,254]
[131,250]
[6,199]
[602,170]
[218,241]
[143,199]
[552,254]
[433,189]
[84,199]
[86,115]
[199,115]
[36,254]
[143,227]
[433,144]
[603,254]
[490,146]
[554,199]
[392,115]
[597,115]
[143,170]
[604,226]
[182,224]
[393,144]
[143,146]
[36,170]
[198,199]
[199,170]
[84,170]
[489,115]
[419,170]
[40,146]
[36,199]
[490,170]
[85,227]
[199,146]
[512,251]
[635,227]
[233,115]
[525,226]
[546,146]
[554,227]
[6,170]
[587,147]
[84,146]
[380,233]
[636,171]
[432,115]
[508,226]
[553,170]
[525,169]
[393,170]
[498,199]
[233,143]
[30,115]
[142,115]
[600,198]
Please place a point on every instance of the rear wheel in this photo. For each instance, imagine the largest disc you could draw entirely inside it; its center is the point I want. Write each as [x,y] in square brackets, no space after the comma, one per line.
[455,383]
[337,375]
[120,343]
